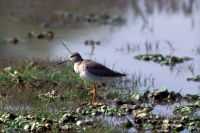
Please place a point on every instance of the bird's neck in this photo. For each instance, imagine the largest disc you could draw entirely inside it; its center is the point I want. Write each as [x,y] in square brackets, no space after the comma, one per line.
[77,61]
[77,67]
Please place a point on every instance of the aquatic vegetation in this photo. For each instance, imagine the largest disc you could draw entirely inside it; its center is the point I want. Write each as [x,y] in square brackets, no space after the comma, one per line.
[91,42]
[62,18]
[163,95]
[89,18]
[43,35]
[156,96]
[13,123]
[36,96]
[195,78]
[101,109]
[190,108]
[163,60]
[190,97]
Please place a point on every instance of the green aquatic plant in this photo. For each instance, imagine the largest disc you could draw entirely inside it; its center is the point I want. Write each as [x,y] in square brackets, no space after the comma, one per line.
[163,60]
[195,78]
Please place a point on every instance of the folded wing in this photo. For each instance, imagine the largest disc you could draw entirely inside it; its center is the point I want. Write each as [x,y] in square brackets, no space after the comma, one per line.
[101,70]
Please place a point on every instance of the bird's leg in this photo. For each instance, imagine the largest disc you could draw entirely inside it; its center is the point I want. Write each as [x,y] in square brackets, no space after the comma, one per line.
[94,91]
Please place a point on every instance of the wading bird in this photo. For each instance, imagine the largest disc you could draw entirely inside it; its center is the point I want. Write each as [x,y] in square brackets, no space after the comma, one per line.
[91,71]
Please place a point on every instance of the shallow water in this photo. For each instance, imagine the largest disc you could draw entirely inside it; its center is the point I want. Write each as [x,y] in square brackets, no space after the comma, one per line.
[174,31]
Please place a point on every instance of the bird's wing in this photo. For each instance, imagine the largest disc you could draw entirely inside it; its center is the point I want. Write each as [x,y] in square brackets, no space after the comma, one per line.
[100,70]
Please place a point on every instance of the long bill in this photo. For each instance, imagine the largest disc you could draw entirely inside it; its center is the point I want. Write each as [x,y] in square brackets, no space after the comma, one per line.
[63,62]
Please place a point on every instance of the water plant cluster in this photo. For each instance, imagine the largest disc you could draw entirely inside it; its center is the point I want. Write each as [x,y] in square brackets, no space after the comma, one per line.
[62,18]
[43,35]
[163,60]
[194,78]
[137,107]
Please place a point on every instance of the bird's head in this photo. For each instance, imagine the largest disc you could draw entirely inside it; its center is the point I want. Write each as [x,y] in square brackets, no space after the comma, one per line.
[73,57]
